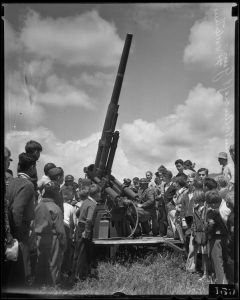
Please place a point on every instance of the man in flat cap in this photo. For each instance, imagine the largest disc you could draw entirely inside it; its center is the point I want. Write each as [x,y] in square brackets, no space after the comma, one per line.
[51,237]
[227,168]
[84,259]
[21,196]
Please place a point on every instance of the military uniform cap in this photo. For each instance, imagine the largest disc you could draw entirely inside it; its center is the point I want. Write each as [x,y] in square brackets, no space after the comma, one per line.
[54,172]
[143,180]
[69,178]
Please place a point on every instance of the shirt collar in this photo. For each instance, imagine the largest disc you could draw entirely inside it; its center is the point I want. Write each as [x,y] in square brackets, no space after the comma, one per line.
[24,175]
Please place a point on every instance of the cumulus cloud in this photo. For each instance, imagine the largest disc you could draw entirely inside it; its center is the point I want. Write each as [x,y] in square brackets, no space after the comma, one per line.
[74,40]
[72,156]
[196,131]
[211,39]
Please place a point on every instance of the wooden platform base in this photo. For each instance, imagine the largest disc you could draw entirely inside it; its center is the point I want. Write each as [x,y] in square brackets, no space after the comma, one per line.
[143,240]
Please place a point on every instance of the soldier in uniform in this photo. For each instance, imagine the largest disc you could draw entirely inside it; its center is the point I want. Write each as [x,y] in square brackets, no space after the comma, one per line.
[146,208]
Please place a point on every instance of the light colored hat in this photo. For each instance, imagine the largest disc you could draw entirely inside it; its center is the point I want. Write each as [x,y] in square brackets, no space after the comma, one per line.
[223,155]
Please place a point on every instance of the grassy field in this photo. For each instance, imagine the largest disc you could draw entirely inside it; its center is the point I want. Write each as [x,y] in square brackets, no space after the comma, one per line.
[144,273]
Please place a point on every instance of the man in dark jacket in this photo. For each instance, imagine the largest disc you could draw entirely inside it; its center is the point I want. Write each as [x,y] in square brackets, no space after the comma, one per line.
[51,237]
[21,196]
[166,202]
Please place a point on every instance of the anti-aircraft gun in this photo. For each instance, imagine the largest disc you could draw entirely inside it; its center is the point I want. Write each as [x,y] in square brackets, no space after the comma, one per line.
[117,197]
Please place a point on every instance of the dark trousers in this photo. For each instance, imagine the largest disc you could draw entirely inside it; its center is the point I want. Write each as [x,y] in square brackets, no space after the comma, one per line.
[14,273]
[49,262]
[162,218]
[84,257]
[68,254]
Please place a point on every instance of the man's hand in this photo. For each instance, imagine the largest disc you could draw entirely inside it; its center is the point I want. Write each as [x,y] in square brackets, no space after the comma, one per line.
[84,234]
[139,205]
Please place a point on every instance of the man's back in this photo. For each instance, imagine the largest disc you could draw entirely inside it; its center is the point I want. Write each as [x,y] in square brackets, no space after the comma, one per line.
[21,196]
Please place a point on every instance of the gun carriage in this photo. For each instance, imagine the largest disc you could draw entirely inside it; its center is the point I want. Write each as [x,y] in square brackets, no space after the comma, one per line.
[117,216]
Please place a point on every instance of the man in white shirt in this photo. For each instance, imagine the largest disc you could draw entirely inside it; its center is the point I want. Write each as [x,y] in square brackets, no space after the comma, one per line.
[69,229]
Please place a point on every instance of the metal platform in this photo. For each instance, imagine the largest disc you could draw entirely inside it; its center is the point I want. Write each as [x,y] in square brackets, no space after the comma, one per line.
[143,240]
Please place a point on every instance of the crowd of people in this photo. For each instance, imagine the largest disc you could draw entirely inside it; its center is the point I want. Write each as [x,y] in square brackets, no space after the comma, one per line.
[49,222]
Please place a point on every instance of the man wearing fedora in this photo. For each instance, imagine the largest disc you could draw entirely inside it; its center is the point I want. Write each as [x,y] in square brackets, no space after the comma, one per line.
[227,169]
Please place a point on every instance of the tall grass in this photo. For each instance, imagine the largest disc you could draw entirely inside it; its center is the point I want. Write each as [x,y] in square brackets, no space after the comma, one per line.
[152,273]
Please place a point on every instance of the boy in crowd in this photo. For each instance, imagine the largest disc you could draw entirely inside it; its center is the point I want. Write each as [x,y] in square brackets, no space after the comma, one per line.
[180,168]
[202,173]
[84,259]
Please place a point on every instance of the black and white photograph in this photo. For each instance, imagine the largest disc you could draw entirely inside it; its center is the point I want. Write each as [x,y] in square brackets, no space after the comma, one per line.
[119,138]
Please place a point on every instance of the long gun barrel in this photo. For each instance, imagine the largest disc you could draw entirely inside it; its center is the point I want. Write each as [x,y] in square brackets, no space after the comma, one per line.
[104,147]
[100,172]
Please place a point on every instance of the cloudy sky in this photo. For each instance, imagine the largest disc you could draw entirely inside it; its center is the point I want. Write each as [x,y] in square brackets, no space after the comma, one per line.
[177,96]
